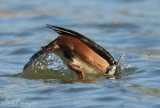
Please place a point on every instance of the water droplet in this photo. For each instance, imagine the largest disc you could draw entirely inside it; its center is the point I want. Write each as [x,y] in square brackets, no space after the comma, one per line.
[122,62]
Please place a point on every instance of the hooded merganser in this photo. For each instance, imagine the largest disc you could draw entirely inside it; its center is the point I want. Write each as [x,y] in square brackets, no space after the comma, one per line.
[79,53]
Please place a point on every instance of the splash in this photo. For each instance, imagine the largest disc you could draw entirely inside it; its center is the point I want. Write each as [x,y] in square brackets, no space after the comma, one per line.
[51,62]
[48,66]
[122,63]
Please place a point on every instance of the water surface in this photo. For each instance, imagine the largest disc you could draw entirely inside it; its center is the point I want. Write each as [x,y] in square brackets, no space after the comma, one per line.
[121,26]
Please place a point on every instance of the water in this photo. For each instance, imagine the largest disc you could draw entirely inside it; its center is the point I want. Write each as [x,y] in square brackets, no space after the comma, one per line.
[121,26]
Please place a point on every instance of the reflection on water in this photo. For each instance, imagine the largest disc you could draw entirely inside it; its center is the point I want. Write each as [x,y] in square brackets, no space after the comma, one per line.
[123,27]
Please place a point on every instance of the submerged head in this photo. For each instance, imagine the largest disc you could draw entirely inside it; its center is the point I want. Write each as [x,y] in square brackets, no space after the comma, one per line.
[111,70]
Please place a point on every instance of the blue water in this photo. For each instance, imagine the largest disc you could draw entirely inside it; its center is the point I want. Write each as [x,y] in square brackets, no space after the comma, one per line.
[128,27]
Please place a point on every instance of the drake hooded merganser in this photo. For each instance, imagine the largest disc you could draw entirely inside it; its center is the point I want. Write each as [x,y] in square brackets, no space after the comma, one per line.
[79,53]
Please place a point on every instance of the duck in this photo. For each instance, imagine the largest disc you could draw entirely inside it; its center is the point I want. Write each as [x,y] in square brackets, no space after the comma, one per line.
[78,53]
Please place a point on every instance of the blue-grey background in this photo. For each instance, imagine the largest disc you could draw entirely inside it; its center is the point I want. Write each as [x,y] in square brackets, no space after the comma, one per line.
[120,26]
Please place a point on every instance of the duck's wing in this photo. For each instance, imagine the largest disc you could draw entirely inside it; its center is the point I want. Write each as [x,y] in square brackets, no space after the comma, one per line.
[62,31]
[95,47]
